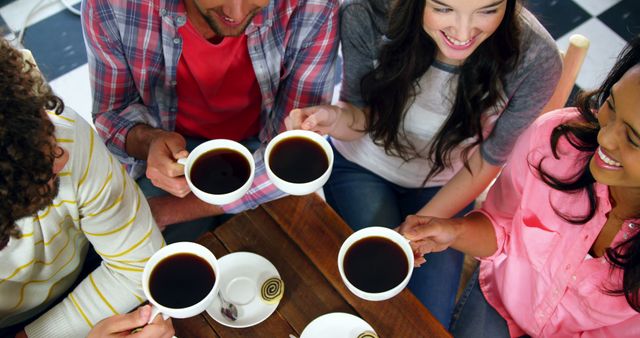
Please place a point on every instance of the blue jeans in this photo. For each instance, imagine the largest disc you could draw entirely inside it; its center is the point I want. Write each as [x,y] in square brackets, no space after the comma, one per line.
[474,317]
[190,231]
[365,199]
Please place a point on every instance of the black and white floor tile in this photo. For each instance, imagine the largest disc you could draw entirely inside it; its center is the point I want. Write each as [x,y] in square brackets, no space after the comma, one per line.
[54,36]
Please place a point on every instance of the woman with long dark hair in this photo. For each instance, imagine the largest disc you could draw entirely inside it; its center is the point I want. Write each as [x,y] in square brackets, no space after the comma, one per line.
[557,237]
[434,95]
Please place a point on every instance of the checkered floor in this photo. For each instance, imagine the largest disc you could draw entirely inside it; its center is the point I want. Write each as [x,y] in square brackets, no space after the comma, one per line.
[54,36]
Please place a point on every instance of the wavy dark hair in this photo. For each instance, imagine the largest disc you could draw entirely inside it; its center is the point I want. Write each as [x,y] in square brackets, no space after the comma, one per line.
[390,88]
[27,144]
[582,135]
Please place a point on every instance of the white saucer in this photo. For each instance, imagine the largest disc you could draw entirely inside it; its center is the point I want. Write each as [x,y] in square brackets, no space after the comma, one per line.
[336,325]
[244,270]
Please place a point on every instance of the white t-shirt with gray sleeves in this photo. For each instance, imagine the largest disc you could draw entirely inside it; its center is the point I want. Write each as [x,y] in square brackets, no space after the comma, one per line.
[527,89]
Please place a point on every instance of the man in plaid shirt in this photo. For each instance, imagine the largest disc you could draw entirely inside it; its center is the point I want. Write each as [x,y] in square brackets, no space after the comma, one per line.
[167,75]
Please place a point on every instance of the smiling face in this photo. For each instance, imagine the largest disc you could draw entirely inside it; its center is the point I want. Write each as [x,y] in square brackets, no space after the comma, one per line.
[458,27]
[617,159]
[223,17]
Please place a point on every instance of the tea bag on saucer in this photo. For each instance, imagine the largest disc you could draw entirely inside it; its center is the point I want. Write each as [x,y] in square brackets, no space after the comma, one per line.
[272,290]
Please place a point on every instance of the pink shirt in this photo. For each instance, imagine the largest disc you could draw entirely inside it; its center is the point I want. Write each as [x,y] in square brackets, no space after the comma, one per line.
[542,279]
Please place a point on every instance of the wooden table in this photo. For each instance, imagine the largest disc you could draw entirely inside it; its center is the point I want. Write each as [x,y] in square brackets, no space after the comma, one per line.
[301,236]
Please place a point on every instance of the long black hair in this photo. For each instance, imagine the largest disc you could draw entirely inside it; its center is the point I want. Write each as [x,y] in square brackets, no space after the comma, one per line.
[582,134]
[390,88]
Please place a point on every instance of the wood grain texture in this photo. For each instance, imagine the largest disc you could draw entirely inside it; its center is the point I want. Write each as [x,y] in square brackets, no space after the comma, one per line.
[319,231]
[301,236]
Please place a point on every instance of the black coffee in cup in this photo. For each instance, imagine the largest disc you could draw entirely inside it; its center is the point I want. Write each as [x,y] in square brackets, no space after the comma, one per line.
[181,280]
[220,171]
[298,159]
[375,264]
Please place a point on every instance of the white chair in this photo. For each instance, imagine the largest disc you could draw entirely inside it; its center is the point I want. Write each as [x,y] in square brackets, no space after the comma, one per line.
[572,61]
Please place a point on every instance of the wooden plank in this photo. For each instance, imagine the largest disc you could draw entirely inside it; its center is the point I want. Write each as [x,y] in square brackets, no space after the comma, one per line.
[307,293]
[319,232]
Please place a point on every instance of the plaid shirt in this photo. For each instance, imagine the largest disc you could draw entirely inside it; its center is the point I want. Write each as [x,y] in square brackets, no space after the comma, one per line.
[133,47]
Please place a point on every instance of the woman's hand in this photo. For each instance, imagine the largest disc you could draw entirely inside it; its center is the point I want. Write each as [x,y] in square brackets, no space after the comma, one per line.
[124,325]
[429,234]
[320,119]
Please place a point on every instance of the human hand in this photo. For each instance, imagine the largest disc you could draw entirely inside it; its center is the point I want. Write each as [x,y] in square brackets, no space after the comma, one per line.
[123,325]
[428,234]
[162,169]
[320,119]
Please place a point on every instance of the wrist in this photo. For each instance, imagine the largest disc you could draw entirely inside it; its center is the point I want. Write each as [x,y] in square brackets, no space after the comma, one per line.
[139,140]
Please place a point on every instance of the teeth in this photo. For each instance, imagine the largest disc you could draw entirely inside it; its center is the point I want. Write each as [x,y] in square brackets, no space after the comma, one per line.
[456,42]
[606,159]
[228,19]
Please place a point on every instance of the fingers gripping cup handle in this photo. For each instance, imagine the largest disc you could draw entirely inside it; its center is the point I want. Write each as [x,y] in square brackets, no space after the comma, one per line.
[182,161]
[154,312]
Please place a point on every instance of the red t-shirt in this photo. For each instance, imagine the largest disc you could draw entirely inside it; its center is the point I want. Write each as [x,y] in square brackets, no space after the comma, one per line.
[218,93]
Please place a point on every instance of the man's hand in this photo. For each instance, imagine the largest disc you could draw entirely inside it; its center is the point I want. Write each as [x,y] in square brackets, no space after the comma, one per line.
[428,234]
[321,119]
[124,325]
[162,169]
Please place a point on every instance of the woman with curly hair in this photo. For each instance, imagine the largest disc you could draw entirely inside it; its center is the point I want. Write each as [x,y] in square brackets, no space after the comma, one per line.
[433,97]
[557,236]
[60,192]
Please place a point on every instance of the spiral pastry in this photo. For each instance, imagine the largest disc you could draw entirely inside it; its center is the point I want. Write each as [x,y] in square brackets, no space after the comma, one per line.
[272,290]
[368,334]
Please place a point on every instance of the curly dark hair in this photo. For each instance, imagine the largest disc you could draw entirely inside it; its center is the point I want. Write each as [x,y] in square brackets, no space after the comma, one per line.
[27,143]
[582,134]
[391,87]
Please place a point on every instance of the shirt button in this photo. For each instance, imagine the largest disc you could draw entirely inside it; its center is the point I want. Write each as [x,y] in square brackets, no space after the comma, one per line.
[631,225]
[163,11]
[625,236]
[173,109]
[173,82]
[181,20]
[574,277]
[176,41]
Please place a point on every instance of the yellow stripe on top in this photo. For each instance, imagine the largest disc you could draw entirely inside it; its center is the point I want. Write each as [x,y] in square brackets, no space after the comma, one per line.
[120,228]
[95,287]
[64,140]
[34,261]
[53,206]
[124,268]
[73,254]
[75,303]
[104,185]
[60,116]
[146,236]
[89,158]
[117,200]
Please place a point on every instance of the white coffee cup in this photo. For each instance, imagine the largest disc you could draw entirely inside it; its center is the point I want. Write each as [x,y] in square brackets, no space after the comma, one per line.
[175,249]
[218,199]
[388,234]
[306,187]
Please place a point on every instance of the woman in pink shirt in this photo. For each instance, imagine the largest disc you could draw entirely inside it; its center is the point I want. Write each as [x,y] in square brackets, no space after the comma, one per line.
[557,236]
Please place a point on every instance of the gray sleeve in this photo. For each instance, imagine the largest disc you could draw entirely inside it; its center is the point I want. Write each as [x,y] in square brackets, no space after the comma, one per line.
[360,34]
[527,90]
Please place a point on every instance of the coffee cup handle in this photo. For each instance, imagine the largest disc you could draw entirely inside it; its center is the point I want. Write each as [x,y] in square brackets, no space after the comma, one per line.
[154,312]
[182,161]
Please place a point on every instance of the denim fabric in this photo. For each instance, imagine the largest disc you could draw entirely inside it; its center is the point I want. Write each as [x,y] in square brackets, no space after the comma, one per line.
[474,317]
[364,199]
[190,231]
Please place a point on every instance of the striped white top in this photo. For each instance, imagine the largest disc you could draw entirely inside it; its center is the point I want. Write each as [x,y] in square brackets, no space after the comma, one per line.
[98,204]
